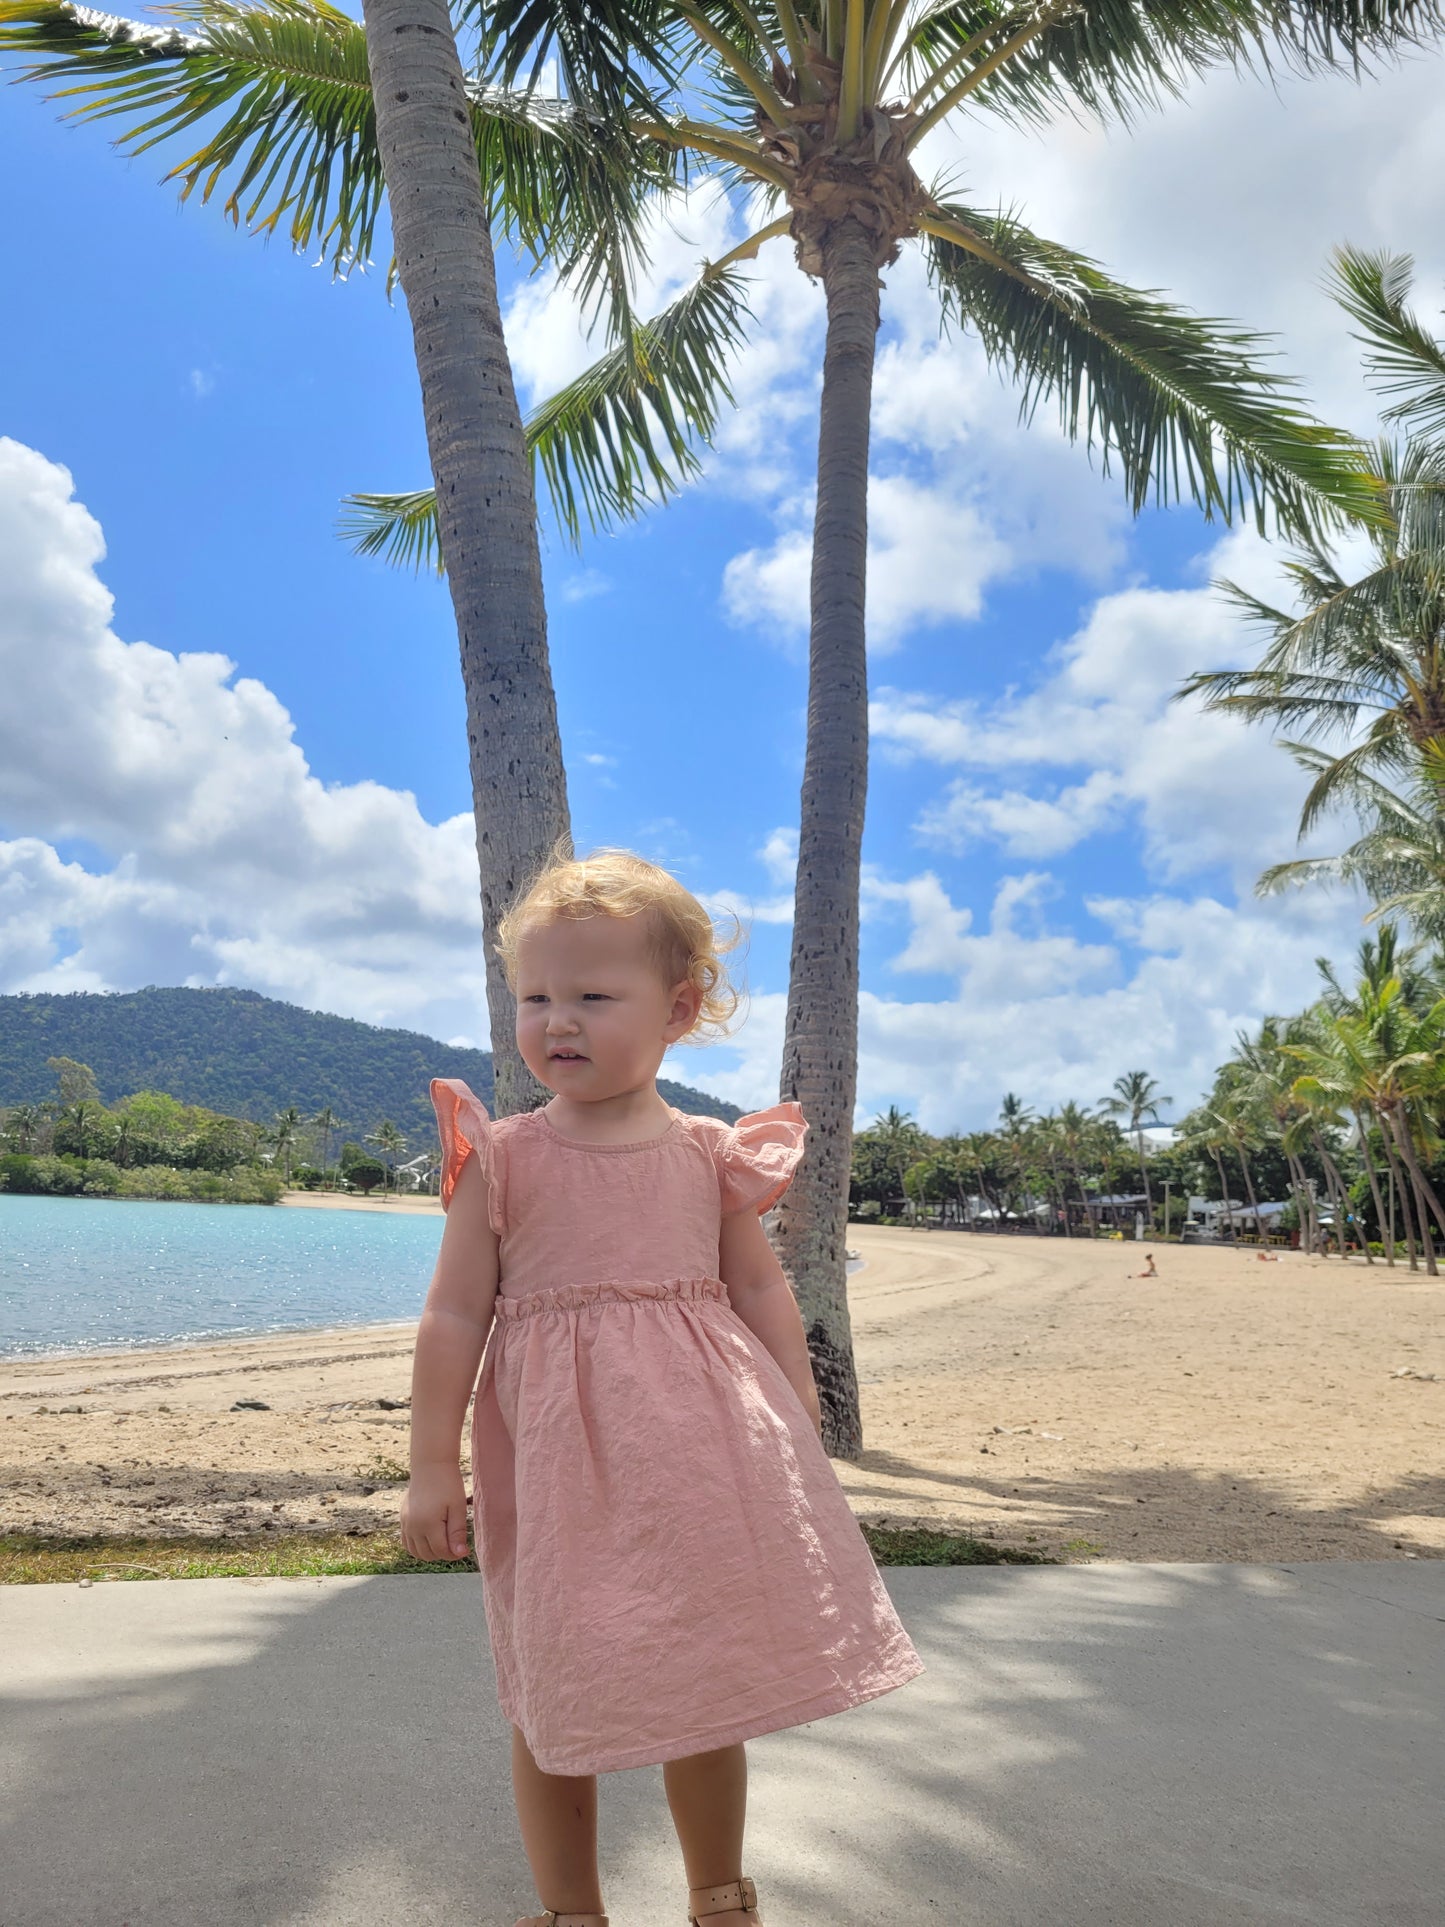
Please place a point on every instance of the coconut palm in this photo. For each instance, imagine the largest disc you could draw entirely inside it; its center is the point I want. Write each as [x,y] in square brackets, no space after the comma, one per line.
[1391,1059]
[283,1136]
[819,108]
[299,138]
[1363,661]
[389,1141]
[822,107]
[1137,1097]
[902,1139]
[327,1122]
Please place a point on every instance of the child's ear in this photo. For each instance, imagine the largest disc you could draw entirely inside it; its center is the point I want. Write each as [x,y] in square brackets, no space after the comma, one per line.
[686,1003]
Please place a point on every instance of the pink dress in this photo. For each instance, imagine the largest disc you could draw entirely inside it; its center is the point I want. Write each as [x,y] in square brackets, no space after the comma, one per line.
[668,1561]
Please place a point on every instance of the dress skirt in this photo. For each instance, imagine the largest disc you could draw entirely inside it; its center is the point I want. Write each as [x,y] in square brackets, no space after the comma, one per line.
[668,1560]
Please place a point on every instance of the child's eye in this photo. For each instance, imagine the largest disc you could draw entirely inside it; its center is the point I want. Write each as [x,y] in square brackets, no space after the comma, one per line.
[595,997]
[535,998]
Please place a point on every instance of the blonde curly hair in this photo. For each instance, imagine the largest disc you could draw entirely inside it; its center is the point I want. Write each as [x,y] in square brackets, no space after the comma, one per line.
[686,943]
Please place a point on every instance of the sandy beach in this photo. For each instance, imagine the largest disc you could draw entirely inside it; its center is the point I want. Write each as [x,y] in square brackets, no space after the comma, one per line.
[1025,1389]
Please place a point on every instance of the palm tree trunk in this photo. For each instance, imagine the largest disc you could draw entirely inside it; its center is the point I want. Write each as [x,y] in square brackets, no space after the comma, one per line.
[1144,1174]
[1248,1183]
[1224,1193]
[820,1046]
[1369,1164]
[1335,1178]
[1425,1199]
[486,512]
[1398,1188]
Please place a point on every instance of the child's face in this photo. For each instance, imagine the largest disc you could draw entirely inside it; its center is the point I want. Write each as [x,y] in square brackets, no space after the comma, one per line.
[594,1015]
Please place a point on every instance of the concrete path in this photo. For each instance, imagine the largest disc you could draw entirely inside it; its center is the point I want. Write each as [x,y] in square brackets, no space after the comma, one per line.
[1142,1746]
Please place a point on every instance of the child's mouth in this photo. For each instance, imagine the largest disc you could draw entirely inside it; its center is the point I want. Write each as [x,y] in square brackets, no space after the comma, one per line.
[568,1057]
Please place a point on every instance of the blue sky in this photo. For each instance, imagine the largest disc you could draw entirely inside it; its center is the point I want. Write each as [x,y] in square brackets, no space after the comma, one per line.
[1059,861]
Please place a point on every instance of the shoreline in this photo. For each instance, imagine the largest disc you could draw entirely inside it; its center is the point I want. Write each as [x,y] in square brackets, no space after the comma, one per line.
[1033,1393]
[348,1201]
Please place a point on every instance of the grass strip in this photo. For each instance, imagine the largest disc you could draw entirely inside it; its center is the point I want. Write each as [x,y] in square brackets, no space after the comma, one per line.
[31,1561]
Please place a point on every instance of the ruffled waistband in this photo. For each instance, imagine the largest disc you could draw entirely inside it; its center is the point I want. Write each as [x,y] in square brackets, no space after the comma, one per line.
[532,1304]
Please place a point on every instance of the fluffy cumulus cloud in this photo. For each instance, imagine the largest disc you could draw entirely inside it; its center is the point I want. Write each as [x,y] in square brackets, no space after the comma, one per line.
[1055,1017]
[212,854]
[1097,739]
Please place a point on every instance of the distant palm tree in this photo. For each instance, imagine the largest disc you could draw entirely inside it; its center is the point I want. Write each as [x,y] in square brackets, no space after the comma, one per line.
[902,1140]
[326,1121]
[390,1142]
[283,1137]
[22,1123]
[1137,1097]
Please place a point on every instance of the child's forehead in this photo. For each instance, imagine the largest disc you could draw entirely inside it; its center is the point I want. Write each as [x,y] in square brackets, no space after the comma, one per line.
[562,942]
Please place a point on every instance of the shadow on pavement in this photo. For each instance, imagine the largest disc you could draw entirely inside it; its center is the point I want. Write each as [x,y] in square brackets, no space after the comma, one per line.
[1167,1746]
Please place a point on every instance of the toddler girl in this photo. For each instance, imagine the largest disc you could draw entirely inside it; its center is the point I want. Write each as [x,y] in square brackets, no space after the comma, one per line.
[669,1564]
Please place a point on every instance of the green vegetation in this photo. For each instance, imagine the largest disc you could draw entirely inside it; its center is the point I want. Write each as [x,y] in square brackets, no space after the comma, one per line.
[249,1059]
[28,1561]
[1338,1114]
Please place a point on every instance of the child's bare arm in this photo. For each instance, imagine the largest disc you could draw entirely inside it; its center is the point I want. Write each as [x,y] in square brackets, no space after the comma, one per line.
[763,1299]
[449,1343]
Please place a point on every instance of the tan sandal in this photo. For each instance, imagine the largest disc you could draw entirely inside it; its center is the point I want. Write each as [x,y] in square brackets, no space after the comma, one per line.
[711,1903]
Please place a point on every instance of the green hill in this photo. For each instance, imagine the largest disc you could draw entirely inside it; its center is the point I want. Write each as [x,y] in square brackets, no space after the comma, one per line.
[246,1055]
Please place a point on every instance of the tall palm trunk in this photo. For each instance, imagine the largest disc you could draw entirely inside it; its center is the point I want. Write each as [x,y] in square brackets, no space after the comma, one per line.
[486,512]
[1224,1193]
[1369,1164]
[820,1046]
[1144,1174]
[1425,1199]
[1399,1186]
[1248,1184]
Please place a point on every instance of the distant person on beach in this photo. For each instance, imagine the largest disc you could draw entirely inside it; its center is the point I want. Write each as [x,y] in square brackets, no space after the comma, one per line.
[669,1564]
[1151,1270]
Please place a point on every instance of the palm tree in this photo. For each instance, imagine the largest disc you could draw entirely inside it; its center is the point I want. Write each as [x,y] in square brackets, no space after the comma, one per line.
[1136,1096]
[820,107]
[326,1121]
[300,135]
[902,1139]
[22,1123]
[823,106]
[1356,673]
[389,1141]
[283,1137]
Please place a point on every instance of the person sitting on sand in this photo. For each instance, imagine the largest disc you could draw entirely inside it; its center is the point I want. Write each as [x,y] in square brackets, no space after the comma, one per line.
[1151,1270]
[1267,1257]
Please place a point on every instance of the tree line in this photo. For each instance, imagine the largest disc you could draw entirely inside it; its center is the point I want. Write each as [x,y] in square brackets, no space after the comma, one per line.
[1336,1112]
[149,1145]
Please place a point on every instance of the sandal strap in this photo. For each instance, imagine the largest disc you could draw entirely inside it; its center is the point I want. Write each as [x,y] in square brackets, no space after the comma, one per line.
[736,1897]
[574,1920]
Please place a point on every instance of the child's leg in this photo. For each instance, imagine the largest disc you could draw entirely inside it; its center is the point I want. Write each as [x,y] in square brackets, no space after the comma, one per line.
[708,1795]
[558,1815]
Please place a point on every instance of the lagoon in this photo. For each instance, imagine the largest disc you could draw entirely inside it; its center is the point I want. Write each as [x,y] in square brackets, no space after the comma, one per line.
[85,1274]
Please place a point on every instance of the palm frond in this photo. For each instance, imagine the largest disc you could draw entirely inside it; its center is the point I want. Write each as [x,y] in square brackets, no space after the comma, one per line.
[1181,403]
[1405,359]
[1115,56]
[278,94]
[620,437]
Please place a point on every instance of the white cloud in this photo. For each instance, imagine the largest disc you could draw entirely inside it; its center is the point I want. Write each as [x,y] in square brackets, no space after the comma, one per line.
[1203,791]
[231,862]
[1041,1013]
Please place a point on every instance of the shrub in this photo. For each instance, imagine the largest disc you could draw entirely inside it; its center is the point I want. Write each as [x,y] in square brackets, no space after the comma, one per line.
[16,1171]
[868,1211]
[43,1177]
[102,1178]
[364,1174]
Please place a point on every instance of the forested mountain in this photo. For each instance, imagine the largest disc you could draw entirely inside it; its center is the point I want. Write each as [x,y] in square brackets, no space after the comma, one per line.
[248,1056]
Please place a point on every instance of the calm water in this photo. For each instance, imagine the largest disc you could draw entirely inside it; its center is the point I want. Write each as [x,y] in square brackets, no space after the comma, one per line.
[77,1274]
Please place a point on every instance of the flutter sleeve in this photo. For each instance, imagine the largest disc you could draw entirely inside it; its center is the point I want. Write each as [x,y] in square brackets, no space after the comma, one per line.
[466,1130]
[759,1156]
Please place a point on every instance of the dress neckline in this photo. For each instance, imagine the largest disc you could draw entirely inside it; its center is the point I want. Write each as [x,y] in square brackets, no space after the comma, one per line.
[586,1144]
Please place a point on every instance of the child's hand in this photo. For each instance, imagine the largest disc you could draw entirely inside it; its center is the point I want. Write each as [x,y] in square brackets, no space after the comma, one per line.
[434,1514]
